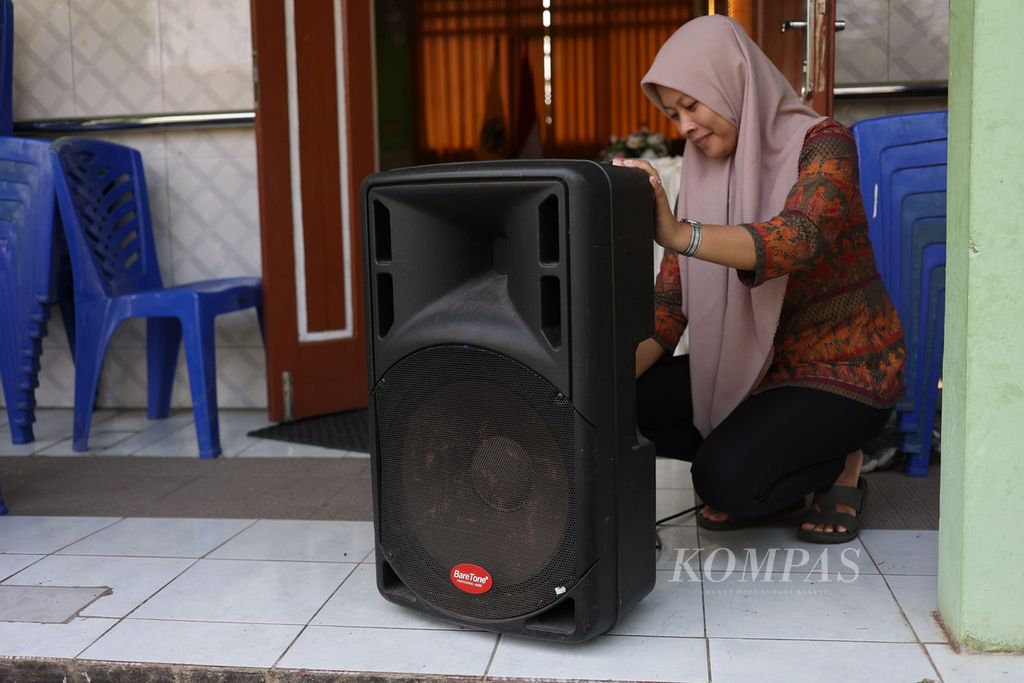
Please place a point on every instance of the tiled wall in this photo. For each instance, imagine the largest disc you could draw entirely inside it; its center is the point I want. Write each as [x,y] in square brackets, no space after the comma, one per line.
[109,57]
[887,41]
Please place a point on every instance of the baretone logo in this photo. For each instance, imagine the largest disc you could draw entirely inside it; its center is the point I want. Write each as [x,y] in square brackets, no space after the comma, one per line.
[471,578]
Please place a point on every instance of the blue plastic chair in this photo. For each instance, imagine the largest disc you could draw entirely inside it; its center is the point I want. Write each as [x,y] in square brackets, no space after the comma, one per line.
[894,160]
[925,230]
[101,191]
[6,66]
[931,321]
[873,136]
[26,284]
[904,184]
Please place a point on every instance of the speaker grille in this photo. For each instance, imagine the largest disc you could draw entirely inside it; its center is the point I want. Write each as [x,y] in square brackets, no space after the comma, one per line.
[475,465]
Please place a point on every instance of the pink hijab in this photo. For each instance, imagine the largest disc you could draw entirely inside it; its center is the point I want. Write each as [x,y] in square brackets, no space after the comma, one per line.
[732,327]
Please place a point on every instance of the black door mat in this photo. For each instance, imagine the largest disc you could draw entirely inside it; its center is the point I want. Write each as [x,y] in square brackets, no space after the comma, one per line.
[349,431]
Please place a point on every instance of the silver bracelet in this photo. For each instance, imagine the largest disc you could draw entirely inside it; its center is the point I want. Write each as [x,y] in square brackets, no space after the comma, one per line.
[695,236]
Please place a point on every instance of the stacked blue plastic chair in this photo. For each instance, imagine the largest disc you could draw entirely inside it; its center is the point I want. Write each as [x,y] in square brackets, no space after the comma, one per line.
[101,191]
[6,112]
[26,253]
[903,180]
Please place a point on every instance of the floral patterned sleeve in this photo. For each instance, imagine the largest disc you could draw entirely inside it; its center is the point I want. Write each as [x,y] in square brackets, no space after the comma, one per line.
[669,321]
[816,210]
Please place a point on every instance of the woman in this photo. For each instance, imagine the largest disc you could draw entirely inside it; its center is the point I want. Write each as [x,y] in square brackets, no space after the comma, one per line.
[795,351]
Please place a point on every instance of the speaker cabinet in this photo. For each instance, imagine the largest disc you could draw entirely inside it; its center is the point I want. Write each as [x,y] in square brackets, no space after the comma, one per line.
[504,304]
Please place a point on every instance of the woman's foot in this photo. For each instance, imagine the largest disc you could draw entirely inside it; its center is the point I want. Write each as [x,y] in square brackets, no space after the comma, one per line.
[713,515]
[848,477]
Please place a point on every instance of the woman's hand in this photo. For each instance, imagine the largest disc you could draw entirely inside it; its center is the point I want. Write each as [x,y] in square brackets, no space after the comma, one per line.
[668,232]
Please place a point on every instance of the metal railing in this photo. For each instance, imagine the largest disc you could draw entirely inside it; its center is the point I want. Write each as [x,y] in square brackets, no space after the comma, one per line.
[88,124]
[245,118]
[877,91]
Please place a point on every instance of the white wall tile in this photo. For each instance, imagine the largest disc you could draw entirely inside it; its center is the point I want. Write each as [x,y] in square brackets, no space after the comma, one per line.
[214,212]
[43,75]
[862,49]
[919,40]
[116,55]
[207,53]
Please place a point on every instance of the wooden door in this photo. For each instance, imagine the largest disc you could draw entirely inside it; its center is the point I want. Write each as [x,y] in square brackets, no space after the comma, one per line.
[815,43]
[315,144]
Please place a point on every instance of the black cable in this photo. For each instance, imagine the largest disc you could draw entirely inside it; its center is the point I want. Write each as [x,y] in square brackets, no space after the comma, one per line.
[678,514]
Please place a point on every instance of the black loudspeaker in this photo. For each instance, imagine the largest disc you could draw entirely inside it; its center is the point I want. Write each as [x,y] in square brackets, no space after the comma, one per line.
[504,304]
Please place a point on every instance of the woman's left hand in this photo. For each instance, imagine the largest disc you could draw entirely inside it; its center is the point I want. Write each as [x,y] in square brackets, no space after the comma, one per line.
[668,232]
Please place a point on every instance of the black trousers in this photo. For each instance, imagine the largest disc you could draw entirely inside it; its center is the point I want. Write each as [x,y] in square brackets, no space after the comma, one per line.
[776,447]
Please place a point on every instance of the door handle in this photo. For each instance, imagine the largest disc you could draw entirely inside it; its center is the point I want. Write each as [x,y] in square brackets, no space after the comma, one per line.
[805,25]
[801,25]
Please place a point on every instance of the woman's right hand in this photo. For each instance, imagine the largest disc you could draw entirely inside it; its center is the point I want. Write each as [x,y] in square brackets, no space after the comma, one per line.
[668,232]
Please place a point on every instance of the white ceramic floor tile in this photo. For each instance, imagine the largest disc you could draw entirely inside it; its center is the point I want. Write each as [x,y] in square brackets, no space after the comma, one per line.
[918,596]
[628,658]
[99,441]
[192,642]
[132,579]
[670,501]
[903,552]
[307,541]
[976,667]
[269,448]
[394,650]
[234,427]
[782,661]
[159,537]
[672,474]
[359,603]
[753,547]
[18,639]
[247,591]
[12,564]
[804,608]
[679,548]
[51,426]
[673,608]
[46,534]
[152,433]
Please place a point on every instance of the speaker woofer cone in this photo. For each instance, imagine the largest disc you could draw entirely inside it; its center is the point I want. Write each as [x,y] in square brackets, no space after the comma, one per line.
[480,471]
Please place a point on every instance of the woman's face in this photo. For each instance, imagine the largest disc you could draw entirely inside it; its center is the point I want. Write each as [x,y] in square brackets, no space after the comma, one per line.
[698,123]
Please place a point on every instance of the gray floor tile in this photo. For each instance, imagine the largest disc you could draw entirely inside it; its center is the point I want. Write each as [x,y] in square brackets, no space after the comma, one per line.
[12,564]
[672,474]
[976,668]
[781,661]
[46,534]
[334,648]
[673,608]
[678,546]
[159,537]
[131,579]
[244,591]
[194,642]
[45,604]
[670,501]
[903,552]
[627,658]
[19,639]
[803,607]
[300,540]
[359,603]
[753,546]
[918,596]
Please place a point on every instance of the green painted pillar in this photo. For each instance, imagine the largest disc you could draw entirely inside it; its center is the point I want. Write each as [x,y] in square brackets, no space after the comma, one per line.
[981,536]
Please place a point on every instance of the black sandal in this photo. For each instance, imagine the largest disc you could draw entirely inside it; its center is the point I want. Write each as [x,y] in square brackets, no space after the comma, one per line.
[828,514]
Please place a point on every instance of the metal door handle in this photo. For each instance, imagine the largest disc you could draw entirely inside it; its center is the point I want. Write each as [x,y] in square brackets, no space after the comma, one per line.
[800,25]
